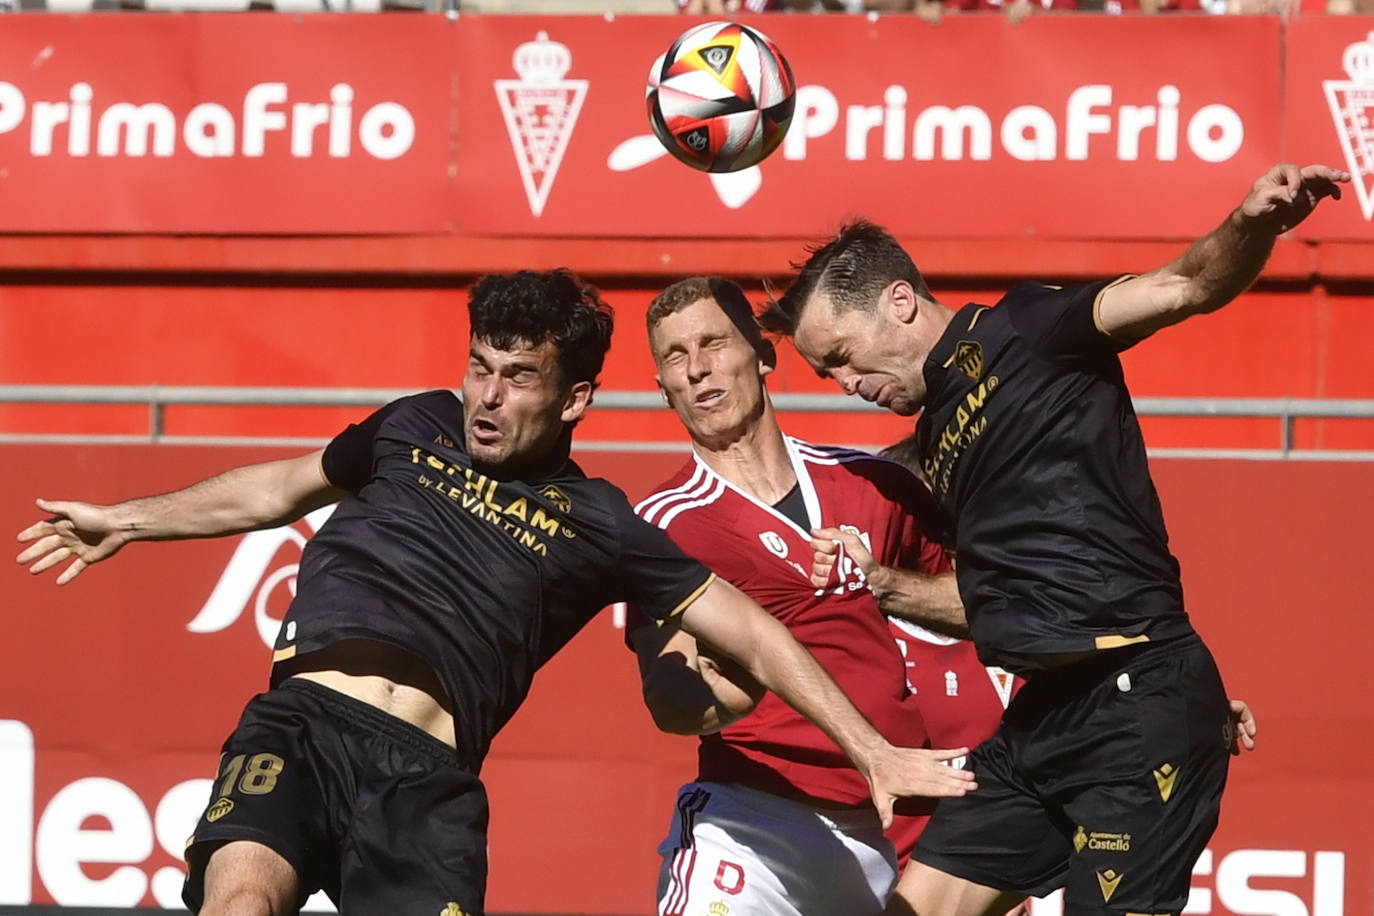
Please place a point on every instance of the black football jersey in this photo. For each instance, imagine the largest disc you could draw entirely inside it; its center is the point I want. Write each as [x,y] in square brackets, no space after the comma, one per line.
[1031,443]
[484,578]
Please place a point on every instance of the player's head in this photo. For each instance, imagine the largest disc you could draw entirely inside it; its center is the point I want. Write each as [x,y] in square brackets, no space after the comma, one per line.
[711,358]
[538,342]
[860,313]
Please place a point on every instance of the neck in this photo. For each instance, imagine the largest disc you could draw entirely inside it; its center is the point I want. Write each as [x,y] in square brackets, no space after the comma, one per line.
[755,461]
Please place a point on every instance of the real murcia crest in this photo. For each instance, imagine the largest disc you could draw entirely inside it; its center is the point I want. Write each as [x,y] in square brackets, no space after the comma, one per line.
[1352,110]
[541,109]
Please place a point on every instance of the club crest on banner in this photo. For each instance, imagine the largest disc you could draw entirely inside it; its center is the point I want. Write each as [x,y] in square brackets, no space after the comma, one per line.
[1352,110]
[541,109]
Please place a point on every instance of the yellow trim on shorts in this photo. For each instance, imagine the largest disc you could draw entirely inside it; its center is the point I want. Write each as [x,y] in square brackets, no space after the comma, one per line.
[1116,641]
[282,655]
[682,605]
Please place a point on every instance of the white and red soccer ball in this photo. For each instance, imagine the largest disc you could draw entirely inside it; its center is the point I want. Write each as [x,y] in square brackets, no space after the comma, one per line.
[720,99]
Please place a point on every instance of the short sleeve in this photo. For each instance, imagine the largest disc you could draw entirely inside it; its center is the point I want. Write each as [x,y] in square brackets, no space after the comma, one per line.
[1061,322]
[347,460]
[652,573]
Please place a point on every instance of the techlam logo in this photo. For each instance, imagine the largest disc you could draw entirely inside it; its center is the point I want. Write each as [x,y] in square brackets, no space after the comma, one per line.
[1318,891]
[84,122]
[1352,111]
[95,842]
[1165,131]
[250,579]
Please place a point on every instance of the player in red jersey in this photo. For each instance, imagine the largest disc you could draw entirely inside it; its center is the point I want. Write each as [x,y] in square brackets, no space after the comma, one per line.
[778,821]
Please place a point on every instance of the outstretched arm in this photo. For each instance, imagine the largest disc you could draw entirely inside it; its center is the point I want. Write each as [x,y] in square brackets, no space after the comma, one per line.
[686,691]
[242,499]
[1222,264]
[724,619]
[929,600]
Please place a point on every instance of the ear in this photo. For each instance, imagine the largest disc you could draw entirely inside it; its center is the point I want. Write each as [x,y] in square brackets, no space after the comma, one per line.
[768,356]
[575,404]
[901,302]
[662,392]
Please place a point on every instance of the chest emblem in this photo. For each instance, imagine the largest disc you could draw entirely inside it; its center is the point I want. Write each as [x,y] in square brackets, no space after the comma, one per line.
[557,497]
[774,543]
[968,358]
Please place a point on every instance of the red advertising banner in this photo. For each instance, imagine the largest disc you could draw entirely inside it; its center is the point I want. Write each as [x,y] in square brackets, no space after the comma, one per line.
[224,124]
[1329,101]
[977,128]
[117,689]
[489,125]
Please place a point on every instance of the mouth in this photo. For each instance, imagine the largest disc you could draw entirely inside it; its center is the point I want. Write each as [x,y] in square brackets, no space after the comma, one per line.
[485,431]
[709,398]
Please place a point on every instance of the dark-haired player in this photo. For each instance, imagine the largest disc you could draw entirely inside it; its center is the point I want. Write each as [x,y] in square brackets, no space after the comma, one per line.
[1106,774]
[467,549]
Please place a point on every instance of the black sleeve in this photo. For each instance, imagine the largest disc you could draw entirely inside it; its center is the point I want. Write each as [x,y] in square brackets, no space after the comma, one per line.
[1061,321]
[347,460]
[652,573]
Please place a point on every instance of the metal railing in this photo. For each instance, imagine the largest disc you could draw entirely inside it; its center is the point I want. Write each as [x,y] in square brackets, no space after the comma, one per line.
[1285,411]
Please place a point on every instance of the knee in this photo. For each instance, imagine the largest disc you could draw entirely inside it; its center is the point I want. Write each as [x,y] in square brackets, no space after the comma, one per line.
[247,901]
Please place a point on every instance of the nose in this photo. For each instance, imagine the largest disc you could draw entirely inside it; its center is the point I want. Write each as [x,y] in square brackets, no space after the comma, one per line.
[698,366]
[847,380]
[492,392]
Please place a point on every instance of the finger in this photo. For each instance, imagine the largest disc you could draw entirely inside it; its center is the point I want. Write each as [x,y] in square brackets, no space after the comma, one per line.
[51,560]
[884,805]
[34,551]
[71,572]
[948,754]
[1292,181]
[36,530]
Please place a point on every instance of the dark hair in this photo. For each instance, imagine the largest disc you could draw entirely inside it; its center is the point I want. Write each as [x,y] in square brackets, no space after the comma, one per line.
[529,308]
[852,269]
[906,453]
[726,294]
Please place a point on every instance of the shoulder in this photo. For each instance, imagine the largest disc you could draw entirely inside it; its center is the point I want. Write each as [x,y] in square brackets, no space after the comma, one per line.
[854,468]
[692,487]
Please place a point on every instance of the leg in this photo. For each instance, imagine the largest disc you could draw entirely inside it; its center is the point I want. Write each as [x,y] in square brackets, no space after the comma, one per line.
[749,853]
[927,891]
[244,878]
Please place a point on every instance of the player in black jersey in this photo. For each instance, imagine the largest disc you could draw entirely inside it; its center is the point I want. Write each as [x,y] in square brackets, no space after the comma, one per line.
[467,549]
[1106,774]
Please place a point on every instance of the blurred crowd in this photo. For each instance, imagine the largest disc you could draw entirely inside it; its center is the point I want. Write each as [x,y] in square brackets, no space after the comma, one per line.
[931,10]
[934,10]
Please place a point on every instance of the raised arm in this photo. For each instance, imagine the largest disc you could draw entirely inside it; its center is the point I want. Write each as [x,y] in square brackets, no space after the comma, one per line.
[687,692]
[725,620]
[1222,264]
[930,600]
[243,499]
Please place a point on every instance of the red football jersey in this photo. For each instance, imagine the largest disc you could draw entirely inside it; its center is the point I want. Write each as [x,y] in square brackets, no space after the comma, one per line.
[769,557]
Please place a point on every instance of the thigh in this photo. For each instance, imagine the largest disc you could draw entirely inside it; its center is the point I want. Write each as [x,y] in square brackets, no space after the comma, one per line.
[418,839]
[926,891]
[1139,829]
[265,792]
[751,854]
[1001,835]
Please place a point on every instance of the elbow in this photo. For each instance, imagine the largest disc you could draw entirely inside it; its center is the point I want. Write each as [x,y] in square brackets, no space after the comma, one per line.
[670,717]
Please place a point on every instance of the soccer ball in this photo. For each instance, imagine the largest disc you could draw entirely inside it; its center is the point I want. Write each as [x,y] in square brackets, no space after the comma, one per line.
[721,98]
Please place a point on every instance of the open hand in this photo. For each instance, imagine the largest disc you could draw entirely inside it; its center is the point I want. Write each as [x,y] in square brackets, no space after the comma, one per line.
[903,772]
[76,529]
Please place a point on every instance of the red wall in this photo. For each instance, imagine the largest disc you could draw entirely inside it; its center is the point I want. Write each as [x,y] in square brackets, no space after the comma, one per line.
[113,686]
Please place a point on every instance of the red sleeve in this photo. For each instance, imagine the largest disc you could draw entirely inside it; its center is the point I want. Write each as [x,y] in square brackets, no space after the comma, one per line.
[922,533]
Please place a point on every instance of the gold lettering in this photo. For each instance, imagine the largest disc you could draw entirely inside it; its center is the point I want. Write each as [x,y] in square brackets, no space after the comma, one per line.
[545,523]
[474,482]
[527,539]
[434,462]
[517,509]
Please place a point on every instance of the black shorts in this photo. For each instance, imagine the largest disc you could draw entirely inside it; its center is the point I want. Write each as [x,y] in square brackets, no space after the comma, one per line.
[1105,778]
[373,810]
